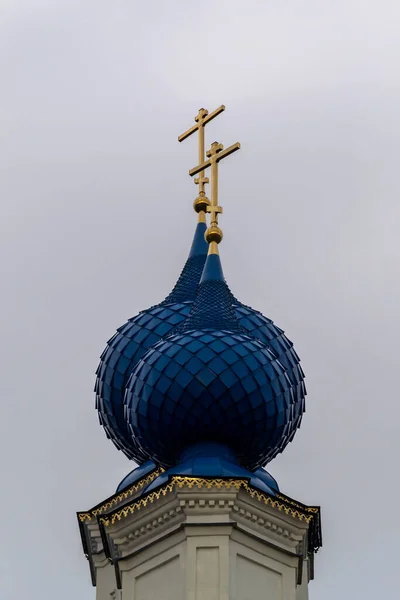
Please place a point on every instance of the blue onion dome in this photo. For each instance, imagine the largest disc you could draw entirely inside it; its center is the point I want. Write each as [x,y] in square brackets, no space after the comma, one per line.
[210,381]
[134,338]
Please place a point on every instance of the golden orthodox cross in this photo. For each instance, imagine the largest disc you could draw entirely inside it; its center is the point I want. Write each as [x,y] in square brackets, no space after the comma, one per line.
[215,154]
[202,118]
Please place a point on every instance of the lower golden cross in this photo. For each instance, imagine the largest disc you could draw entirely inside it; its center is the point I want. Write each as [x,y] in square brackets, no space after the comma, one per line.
[215,154]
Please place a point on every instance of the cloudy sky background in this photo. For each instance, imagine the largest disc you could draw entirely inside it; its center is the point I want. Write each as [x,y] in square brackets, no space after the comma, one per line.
[97,221]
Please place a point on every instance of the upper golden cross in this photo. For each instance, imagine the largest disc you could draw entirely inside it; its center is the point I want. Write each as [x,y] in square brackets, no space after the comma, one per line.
[215,154]
[202,118]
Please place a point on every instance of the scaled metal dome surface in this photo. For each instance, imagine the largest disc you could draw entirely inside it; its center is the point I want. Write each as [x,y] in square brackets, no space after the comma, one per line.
[134,338]
[212,381]
[260,327]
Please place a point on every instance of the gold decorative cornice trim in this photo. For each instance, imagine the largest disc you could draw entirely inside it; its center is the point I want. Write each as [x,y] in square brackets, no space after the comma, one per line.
[199,482]
[309,509]
[136,505]
[92,514]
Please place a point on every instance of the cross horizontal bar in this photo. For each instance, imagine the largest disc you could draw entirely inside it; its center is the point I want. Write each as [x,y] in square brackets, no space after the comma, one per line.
[214,114]
[203,122]
[188,133]
[215,158]
[199,168]
[227,152]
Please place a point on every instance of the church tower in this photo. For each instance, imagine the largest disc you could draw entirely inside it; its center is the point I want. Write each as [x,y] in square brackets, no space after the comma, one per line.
[201,392]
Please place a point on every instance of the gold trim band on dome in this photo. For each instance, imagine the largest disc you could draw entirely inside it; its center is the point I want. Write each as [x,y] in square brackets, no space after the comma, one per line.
[199,483]
[89,515]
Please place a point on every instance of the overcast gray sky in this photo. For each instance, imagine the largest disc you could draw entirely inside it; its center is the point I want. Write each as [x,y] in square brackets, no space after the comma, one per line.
[97,221]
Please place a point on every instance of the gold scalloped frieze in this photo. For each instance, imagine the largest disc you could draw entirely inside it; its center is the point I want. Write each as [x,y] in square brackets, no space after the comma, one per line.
[309,509]
[137,505]
[199,483]
[88,516]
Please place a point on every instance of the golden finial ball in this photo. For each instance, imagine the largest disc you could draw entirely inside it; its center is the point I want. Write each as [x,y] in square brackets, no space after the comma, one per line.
[201,203]
[213,234]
